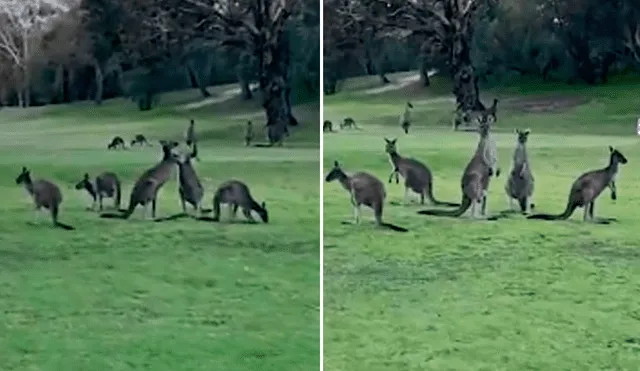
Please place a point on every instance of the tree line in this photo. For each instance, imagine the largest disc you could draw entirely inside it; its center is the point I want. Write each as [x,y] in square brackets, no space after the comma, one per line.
[474,41]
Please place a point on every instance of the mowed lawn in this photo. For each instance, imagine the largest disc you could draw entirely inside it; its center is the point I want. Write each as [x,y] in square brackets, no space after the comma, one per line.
[177,295]
[458,294]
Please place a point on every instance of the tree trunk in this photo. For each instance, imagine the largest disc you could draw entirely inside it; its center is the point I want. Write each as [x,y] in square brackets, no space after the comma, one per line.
[99,76]
[465,81]
[424,73]
[245,89]
[196,81]
[72,84]
[276,90]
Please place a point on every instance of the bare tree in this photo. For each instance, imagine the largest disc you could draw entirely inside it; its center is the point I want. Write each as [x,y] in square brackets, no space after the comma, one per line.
[22,26]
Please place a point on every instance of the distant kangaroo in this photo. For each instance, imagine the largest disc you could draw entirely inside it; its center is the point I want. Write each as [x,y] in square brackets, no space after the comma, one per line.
[248,134]
[492,110]
[139,139]
[106,185]
[327,126]
[237,194]
[190,135]
[44,194]
[365,189]
[405,118]
[520,184]
[349,122]
[475,179]
[116,142]
[145,190]
[586,189]
[417,175]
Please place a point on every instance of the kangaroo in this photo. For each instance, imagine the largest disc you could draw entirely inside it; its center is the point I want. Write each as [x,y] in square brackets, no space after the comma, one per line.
[405,118]
[327,126]
[106,184]
[190,135]
[586,189]
[417,176]
[491,111]
[139,139]
[116,142]
[520,184]
[365,189]
[145,190]
[248,134]
[190,188]
[475,179]
[44,194]
[237,194]
[349,122]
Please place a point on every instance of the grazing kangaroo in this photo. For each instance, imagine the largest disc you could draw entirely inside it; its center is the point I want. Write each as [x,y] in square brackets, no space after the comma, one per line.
[116,142]
[106,185]
[349,122]
[586,189]
[44,194]
[365,189]
[237,194]
[417,175]
[248,134]
[145,190]
[139,139]
[190,135]
[405,118]
[492,110]
[475,179]
[327,126]
[520,184]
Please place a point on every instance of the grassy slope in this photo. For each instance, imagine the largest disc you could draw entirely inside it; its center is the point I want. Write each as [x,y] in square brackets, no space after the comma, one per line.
[183,295]
[473,295]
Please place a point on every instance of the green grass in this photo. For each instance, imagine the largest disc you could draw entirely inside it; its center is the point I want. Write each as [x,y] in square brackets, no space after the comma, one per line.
[179,295]
[458,294]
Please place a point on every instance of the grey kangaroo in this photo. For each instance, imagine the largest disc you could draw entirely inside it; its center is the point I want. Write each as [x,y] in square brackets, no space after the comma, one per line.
[248,134]
[116,142]
[145,190]
[349,122]
[417,175]
[475,179]
[139,139]
[586,189]
[106,184]
[44,194]
[364,189]
[190,135]
[405,118]
[520,184]
[327,126]
[236,194]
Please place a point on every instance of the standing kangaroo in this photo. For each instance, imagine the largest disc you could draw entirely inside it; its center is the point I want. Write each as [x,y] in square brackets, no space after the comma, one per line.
[365,189]
[248,134]
[520,184]
[586,189]
[405,118]
[145,190]
[190,135]
[44,194]
[475,179]
[237,194]
[190,188]
[417,175]
[106,184]
[116,142]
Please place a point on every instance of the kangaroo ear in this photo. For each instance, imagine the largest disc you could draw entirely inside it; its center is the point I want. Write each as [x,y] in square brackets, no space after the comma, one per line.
[517,131]
[336,164]
[393,141]
[387,140]
[86,175]
[263,205]
[610,149]
[24,169]
[527,131]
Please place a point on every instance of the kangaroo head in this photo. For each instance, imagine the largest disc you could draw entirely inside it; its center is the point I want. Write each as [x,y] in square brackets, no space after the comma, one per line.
[167,150]
[335,173]
[409,104]
[523,135]
[495,102]
[191,122]
[264,215]
[484,125]
[84,183]
[391,145]
[249,123]
[24,177]
[616,156]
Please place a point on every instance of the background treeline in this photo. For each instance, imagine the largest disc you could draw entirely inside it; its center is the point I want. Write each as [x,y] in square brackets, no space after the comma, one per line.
[58,51]
[476,41]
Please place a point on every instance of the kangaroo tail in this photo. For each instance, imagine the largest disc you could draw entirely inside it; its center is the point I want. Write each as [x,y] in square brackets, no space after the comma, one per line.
[124,214]
[565,214]
[393,227]
[263,145]
[118,197]
[433,200]
[66,227]
[464,205]
[172,217]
